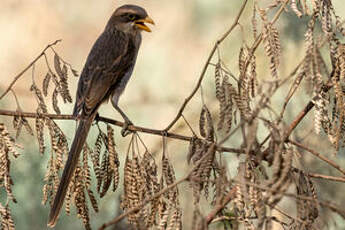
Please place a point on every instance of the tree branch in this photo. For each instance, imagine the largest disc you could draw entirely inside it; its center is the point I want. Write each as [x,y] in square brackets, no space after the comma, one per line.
[116,123]
[305,111]
[326,177]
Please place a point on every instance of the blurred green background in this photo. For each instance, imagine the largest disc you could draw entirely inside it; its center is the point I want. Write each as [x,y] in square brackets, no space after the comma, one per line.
[168,66]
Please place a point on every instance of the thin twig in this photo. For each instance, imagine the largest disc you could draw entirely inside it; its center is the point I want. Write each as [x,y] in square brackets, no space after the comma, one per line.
[229,196]
[320,156]
[189,125]
[225,70]
[326,177]
[320,176]
[28,67]
[301,115]
[64,62]
[17,101]
[292,89]
[203,72]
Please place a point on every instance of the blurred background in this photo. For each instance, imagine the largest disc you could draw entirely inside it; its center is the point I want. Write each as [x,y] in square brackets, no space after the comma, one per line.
[169,63]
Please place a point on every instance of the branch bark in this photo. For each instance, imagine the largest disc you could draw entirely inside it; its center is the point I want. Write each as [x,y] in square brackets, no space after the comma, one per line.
[132,128]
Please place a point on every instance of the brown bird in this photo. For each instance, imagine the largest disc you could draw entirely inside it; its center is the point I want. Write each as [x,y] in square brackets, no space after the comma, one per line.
[105,75]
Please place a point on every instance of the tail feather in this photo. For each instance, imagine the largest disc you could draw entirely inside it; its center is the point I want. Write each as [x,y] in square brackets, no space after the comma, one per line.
[71,164]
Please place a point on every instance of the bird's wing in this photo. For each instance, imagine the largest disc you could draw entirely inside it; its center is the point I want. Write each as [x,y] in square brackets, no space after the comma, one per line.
[102,68]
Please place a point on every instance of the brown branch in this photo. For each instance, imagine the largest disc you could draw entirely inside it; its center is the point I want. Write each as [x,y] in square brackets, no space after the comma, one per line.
[301,115]
[229,196]
[28,67]
[292,89]
[202,75]
[319,155]
[320,176]
[326,177]
[305,111]
[298,119]
[116,123]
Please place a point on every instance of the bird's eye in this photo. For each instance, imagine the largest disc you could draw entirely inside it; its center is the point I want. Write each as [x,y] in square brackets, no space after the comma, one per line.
[131,17]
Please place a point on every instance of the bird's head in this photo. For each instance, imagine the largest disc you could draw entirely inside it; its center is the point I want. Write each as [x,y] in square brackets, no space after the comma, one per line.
[130,18]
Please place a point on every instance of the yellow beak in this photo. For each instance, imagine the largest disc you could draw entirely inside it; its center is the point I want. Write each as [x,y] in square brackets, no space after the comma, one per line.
[141,23]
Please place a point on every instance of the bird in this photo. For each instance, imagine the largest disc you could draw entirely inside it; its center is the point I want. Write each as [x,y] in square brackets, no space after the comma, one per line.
[104,77]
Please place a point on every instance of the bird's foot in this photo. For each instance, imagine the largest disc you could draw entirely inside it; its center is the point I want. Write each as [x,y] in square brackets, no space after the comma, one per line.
[125,131]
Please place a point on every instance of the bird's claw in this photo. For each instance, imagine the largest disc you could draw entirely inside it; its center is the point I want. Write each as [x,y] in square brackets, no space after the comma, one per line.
[96,119]
[125,131]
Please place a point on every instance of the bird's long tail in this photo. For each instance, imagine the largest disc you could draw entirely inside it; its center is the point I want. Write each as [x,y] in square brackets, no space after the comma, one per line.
[71,164]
